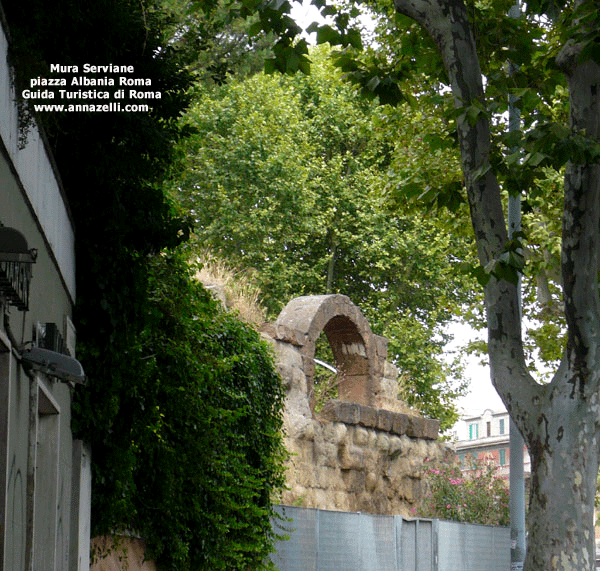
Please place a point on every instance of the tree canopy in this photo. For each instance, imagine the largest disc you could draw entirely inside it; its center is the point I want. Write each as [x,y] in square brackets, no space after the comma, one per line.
[286,177]
[544,54]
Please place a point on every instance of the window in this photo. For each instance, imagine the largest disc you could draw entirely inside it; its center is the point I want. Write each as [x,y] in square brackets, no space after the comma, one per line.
[488,428]
[502,456]
[473,431]
[502,426]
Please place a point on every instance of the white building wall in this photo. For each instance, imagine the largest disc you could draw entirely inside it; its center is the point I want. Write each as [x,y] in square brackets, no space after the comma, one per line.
[36,175]
[39,527]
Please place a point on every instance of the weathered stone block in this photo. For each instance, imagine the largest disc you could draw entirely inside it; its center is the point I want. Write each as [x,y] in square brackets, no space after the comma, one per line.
[335,432]
[416,426]
[354,480]
[372,458]
[381,346]
[351,458]
[348,413]
[304,475]
[360,436]
[406,489]
[326,477]
[303,451]
[371,481]
[390,371]
[300,427]
[385,420]
[341,502]
[299,381]
[383,442]
[325,453]
[328,412]
[287,334]
[395,445]
[340,411]
[431,429]
[365,503]
[368,416]
[372,443]
[400,423]
[397,469]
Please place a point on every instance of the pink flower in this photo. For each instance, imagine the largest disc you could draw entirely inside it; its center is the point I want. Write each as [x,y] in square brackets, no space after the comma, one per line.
[448,507]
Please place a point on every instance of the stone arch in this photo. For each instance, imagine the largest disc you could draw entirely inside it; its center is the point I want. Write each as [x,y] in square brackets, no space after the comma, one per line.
[359,354]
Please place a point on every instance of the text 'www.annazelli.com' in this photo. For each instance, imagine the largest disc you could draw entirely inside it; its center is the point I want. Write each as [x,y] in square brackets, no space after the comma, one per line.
[113,106]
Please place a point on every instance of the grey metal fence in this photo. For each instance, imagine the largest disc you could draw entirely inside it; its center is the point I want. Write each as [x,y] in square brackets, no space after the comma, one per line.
[322,540]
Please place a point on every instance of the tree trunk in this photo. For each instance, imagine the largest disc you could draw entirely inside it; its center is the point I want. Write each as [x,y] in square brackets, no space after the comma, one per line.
[560,420]
[564,455]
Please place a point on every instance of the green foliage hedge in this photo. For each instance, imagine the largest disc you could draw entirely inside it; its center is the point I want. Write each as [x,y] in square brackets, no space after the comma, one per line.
[199,428]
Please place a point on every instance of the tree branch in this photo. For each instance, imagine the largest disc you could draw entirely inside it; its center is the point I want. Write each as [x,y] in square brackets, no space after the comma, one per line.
[581,230]
[447,23]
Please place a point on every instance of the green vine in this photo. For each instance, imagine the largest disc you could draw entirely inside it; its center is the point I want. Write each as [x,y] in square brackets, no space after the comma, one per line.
[203,425]
[183,407]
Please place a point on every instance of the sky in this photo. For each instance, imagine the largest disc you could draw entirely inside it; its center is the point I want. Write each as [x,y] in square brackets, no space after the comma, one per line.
[481,393]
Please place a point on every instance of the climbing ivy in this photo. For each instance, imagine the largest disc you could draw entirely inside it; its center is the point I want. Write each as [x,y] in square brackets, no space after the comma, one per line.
[188,452]
[204,423]
[182,407]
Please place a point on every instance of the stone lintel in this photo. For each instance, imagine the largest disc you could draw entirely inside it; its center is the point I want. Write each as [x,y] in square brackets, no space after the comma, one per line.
[384,420]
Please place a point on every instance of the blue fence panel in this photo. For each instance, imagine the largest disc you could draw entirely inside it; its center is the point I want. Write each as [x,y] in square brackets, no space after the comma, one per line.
[321,540]
[299,552]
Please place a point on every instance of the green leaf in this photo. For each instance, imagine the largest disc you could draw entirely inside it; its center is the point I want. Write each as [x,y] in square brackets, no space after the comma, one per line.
[353,38]
[326,34]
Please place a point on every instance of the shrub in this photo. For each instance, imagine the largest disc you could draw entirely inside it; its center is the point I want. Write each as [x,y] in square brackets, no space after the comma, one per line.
[190,455]
[476,494]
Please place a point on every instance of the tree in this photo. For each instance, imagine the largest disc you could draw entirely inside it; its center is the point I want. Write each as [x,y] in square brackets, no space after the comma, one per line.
[559,419]
[242,182]
[547,54]
[216,40]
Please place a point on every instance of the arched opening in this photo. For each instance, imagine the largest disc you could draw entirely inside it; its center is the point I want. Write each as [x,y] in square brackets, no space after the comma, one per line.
[351,362]
[325,378]
[341,365]
[348,345]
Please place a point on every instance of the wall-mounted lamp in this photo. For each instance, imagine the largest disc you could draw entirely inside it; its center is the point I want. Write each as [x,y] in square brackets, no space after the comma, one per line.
[16,260]
[55,364]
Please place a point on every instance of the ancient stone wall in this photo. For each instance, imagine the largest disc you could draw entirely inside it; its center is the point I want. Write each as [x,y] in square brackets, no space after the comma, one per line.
[119,554]
[360,452]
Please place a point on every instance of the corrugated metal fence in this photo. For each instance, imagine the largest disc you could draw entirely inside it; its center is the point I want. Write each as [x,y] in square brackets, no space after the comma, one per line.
[323,540]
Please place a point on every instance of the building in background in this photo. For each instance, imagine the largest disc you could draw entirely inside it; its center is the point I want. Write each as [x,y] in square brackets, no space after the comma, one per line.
[486,437]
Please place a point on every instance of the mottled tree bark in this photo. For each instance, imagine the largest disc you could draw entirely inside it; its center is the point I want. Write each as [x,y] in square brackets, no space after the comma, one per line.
[560,420]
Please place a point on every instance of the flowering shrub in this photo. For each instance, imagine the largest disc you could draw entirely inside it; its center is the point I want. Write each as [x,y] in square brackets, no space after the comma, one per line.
[475,495]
